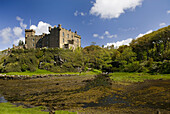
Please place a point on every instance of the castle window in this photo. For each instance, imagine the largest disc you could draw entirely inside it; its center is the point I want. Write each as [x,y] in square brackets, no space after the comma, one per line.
[72,36]
[33,39]
[67,35]
[63,40]
[78,41]
[63,33]
[33,44]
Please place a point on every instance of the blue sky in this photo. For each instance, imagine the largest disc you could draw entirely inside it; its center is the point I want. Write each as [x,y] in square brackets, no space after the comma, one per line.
[105,22]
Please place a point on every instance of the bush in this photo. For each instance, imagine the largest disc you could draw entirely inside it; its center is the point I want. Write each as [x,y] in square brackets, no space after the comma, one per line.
[132,67]
[1,69]
[56,69]
[165,67]
[24,67]
[32,68]
[13,67]
[46,66]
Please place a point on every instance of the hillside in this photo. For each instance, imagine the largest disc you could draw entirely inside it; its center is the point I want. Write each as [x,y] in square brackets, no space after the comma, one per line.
[150,53]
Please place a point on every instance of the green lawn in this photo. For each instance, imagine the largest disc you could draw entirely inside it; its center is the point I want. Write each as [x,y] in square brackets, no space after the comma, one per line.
[136,77]
[94,72]
[41,72]
[7,108]
[37,72]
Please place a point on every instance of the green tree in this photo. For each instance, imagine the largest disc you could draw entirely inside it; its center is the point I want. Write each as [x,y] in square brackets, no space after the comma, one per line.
[20,43]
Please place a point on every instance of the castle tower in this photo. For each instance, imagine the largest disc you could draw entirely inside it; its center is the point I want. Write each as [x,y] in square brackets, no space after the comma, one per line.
[28,33]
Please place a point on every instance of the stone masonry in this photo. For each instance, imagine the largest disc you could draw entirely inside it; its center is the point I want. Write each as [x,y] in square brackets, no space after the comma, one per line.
[57,38]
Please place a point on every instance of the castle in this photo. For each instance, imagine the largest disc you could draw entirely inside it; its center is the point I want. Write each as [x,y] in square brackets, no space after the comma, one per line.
[57,38]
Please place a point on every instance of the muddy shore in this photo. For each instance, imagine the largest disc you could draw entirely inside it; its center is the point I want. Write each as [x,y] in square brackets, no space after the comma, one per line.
[89,94]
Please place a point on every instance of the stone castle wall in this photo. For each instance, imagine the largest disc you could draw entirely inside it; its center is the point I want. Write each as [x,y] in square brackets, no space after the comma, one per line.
[58,38]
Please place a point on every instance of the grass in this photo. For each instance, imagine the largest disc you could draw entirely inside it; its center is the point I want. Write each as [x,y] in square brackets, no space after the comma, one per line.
[94,72]
[37,72]
[7,108]
[136,77]
[41,72]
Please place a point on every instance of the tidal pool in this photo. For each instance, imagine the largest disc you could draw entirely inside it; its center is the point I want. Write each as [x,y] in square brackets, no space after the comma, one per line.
[2,99]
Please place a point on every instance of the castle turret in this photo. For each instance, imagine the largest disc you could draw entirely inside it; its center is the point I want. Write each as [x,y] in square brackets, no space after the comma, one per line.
[28,33]
[59,25]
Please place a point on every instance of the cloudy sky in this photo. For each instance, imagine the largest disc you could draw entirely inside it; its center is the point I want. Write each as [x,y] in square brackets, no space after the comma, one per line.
[105,22]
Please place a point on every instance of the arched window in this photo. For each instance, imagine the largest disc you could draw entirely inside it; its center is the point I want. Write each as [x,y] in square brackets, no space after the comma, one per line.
[63,40]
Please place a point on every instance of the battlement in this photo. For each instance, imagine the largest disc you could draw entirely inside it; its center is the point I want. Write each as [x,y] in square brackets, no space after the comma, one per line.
[29,30]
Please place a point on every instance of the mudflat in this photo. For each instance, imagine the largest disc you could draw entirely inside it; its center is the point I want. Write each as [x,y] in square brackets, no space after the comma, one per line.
[89,94]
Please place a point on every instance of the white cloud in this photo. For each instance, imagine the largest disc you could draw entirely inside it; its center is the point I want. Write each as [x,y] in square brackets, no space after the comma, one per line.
[6,35]
[24,26]
[105,35]
[19,18]
[127,41]
[109,9]
[42,27]
[120,43]
[112,36]
[82,14]
[162,24]
[17,31]
[140,35]
[17,40]
[168,12]
[95,35]
[76,13]
[18,35]
[9,36]
[101,37]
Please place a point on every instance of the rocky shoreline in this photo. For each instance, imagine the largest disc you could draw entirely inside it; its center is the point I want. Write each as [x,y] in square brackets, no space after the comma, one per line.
[24,77]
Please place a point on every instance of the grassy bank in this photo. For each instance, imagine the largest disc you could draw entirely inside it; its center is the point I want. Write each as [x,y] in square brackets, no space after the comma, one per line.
[43,72]
[7,108]
[37,72]
[136,77]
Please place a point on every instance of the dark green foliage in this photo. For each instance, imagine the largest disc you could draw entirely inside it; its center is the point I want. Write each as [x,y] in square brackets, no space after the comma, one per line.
[13,67]
[20,43]
[132,67]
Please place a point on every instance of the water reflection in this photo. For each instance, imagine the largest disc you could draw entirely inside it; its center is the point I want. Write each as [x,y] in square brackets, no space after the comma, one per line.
[2,99]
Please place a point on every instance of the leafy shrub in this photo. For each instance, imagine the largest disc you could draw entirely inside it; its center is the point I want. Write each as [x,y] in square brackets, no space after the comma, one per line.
[13,67]
[132,67]
[46,66]
[32,68]
[56,69]
[24,67]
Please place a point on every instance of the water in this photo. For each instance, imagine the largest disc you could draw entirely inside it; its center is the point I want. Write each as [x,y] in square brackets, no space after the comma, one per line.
[106,101]
[2,99]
